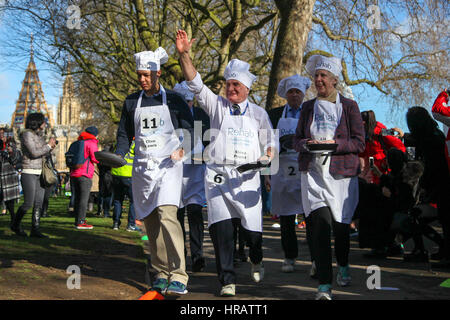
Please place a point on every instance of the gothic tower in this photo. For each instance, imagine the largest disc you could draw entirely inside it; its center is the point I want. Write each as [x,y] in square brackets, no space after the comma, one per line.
[31,97]
[69,106]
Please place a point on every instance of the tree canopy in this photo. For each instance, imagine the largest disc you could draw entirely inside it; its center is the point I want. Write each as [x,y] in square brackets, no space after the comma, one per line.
[398,47]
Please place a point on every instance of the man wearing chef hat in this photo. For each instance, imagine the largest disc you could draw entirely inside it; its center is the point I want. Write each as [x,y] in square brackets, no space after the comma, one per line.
[285,184]
[193,188]
[152,116]
[241,133]
[329,184]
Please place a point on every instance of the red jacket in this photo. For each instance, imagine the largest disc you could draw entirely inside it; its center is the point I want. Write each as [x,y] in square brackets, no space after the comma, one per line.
[440,107]
[376,150]
[90,146]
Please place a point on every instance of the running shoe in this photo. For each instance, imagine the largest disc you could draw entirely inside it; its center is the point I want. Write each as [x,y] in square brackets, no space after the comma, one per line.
[229,290]
[343,278]
[288,265]
[176,288]
[257,272]
[324,292]
[160,285]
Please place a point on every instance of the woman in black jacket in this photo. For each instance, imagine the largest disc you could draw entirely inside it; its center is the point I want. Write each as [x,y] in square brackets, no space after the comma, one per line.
[429,143]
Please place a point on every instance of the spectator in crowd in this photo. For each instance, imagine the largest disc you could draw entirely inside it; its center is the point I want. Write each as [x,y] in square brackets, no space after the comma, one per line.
[94,195]
[378,142]
[82,177]
[441,112]
[50,189]
[429,143]
[329,187]
[121,188]
[9,179]
[105,192]
[395,195]
[34,148]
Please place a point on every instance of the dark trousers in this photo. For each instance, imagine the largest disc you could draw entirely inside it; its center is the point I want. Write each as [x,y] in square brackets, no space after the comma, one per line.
[72,194]
[223,240]
[319,222]
[196,229]
[289,237]
[82,190]
[443,207]
[47,194]
[238,236]
[122,188]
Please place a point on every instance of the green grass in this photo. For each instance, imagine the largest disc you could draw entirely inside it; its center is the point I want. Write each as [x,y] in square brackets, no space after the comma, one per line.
[64,239]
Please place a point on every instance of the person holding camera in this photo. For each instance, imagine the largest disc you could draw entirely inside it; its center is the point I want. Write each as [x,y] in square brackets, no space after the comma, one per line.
[34,148]
[9,179]
[379,140]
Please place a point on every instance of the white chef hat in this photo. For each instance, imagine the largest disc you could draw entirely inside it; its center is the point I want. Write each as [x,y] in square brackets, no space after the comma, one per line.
[239,70]
[149,60]
[331,64]
[295,81]
[183,89]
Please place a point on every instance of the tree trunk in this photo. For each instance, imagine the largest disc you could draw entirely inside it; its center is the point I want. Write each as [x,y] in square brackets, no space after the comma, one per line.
[295,24]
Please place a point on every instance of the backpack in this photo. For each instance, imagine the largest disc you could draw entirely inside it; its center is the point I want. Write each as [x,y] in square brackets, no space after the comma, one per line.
[75,155]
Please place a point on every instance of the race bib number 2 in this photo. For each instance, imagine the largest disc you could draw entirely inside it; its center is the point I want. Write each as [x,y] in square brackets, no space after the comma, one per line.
[291,171]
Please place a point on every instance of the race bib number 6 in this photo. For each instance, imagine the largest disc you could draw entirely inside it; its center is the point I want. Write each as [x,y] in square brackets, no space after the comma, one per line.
[216,178]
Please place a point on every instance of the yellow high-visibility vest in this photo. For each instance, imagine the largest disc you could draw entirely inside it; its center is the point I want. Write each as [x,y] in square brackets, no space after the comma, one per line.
[125,170]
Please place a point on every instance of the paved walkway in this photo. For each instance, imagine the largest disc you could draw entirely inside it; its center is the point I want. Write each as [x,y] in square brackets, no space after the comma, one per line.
[413,280]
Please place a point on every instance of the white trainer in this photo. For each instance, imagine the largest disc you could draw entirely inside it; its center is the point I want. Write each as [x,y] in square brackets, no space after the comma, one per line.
[257,272]
[228,291]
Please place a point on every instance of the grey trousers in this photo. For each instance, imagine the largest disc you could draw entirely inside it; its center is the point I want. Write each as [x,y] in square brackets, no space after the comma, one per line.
[33,193]
[82,190]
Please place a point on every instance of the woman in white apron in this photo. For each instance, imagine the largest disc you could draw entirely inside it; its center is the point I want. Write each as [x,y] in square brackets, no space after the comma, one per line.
[193,186]
[151,117]
[285,184]
[329,183]
[241,133]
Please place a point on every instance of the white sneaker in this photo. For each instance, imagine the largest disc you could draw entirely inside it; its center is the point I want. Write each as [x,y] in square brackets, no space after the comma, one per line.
[228,291]
[313,271]
[324,292]
[257,272]
[323,296]
[288,265]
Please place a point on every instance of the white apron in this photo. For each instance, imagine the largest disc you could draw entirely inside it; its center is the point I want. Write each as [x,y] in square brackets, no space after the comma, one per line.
[230,194]
[193,186]
[156,179]
[319,187]
[286,183]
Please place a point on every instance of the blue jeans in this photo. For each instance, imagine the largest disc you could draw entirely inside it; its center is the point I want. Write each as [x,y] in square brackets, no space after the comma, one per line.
[122,187]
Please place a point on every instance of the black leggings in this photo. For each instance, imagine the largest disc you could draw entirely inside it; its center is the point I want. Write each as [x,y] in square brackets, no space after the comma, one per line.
[318,227]
[289,236]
